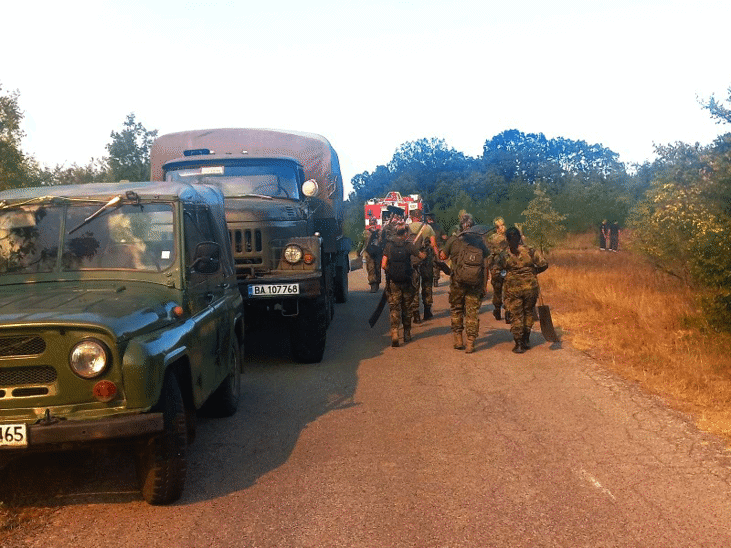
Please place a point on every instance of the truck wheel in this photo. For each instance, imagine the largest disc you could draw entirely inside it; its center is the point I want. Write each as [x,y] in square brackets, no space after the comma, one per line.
[309,331]
[225,400]
[161,463]
[341,284]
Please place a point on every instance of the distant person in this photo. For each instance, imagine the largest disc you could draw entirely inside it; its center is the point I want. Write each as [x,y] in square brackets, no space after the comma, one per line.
[522,265]
[396,263]
[614,236]
[603,235]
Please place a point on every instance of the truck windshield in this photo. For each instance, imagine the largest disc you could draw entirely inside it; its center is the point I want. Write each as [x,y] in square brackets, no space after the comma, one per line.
[130,237]
[278,180]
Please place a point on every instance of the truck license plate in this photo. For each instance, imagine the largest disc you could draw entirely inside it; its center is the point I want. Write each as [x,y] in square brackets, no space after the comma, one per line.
[273,290]
[13,435]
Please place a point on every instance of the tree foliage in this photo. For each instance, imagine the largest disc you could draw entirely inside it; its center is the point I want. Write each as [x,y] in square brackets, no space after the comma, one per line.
[543,225]
[129,151]
[16,168]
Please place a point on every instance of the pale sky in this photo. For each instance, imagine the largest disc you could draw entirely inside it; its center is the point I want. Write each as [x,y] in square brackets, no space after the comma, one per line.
[368,75]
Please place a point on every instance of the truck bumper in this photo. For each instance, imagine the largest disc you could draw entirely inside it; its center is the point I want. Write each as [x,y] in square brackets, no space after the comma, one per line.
[309,287]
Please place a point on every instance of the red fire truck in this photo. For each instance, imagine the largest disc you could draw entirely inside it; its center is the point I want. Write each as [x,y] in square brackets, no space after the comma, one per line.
[377,208]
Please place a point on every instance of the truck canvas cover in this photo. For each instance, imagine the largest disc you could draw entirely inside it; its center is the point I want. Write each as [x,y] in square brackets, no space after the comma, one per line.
[314,152]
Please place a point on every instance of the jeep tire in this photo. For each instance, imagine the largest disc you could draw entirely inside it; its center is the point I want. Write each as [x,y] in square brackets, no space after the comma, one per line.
[161,462]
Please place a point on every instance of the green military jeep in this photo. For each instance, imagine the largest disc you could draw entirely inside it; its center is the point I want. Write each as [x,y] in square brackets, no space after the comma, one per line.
[120,317]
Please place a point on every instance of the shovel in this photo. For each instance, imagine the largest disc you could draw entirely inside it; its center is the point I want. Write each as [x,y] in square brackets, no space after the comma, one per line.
[544,316]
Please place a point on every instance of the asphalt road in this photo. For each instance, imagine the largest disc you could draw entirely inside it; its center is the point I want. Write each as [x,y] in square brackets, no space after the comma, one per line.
[417,446]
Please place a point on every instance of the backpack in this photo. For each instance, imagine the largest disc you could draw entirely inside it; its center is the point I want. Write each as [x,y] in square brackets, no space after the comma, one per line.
[399,263]
[470,267]
[373,246]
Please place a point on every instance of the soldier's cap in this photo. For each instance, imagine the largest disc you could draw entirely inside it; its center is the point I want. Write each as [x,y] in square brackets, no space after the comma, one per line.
[395,210]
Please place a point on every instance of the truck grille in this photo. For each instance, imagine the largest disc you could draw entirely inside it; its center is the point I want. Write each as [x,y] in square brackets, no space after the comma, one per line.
[21,346]
[24,376]
[245,241]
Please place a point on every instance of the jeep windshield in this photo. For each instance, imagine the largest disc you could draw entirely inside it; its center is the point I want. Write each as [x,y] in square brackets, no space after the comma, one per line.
[35,237]
[274,179]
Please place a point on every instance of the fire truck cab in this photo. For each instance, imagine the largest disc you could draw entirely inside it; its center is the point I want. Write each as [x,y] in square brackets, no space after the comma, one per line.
[377,208]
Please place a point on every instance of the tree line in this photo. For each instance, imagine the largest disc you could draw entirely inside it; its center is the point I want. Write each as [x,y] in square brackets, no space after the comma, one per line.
[678,206]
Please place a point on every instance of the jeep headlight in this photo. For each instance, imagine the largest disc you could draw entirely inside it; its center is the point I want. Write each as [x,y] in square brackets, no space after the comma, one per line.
[89,358]
[293,254]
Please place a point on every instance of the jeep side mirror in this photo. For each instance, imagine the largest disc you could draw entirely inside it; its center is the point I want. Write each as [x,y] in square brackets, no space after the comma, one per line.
[207,258]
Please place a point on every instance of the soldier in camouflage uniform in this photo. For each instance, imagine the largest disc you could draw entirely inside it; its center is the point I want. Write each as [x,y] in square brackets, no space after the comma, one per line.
[496,243]
[373,251]
[425,240]
[441,238]
[522,264]
[465,300]
[400,294]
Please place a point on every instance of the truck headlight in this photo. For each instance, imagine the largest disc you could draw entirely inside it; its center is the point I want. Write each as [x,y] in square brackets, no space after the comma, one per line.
[89,358]
[293,254]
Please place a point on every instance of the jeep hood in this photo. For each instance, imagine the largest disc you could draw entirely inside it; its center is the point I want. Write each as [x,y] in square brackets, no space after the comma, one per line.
[125,309]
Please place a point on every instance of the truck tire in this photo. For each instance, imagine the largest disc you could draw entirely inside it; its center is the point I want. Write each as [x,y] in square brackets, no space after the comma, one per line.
[341,284]
[161,462]
[225,400]
[308,332]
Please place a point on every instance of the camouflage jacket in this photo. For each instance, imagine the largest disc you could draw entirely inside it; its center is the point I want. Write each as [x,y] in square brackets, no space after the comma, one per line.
[496,243]
[521,269]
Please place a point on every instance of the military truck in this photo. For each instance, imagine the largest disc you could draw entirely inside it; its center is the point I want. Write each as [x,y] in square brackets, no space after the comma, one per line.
[284,208]
[119,319]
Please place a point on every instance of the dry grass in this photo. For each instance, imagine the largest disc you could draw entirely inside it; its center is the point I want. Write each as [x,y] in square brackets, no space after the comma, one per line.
[642,324]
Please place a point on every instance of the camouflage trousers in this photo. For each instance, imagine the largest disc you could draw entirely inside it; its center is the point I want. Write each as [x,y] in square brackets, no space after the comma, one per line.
[521,303]
[399,300]
[464,304]
[373,267]
[497,289]
[423,279]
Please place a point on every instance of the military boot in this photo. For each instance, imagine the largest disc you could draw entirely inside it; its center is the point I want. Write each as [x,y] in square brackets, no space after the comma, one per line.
[416,318]
[407,335]
[436,282]
[374,288]
[394,337]
[525,340]
[470,348]
[496,313]
[458,342]
[428,313]
[518,345]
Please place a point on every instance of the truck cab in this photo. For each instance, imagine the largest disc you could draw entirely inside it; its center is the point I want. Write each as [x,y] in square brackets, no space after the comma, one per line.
[283,195]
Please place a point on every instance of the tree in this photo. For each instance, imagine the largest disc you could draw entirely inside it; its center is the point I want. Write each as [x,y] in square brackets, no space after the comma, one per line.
[129,151]
[543,224]
[16,168]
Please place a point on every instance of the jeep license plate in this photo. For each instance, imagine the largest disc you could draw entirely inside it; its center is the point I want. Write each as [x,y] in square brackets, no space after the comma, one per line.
[13,435]
[273,290]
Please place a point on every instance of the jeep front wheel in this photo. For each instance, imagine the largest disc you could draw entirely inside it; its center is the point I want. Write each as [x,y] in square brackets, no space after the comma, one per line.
[161,462]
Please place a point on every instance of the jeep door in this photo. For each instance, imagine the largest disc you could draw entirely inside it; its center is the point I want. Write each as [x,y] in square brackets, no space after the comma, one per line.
[206,281]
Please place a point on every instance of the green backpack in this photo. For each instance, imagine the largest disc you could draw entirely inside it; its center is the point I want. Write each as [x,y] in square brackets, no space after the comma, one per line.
[470,267]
